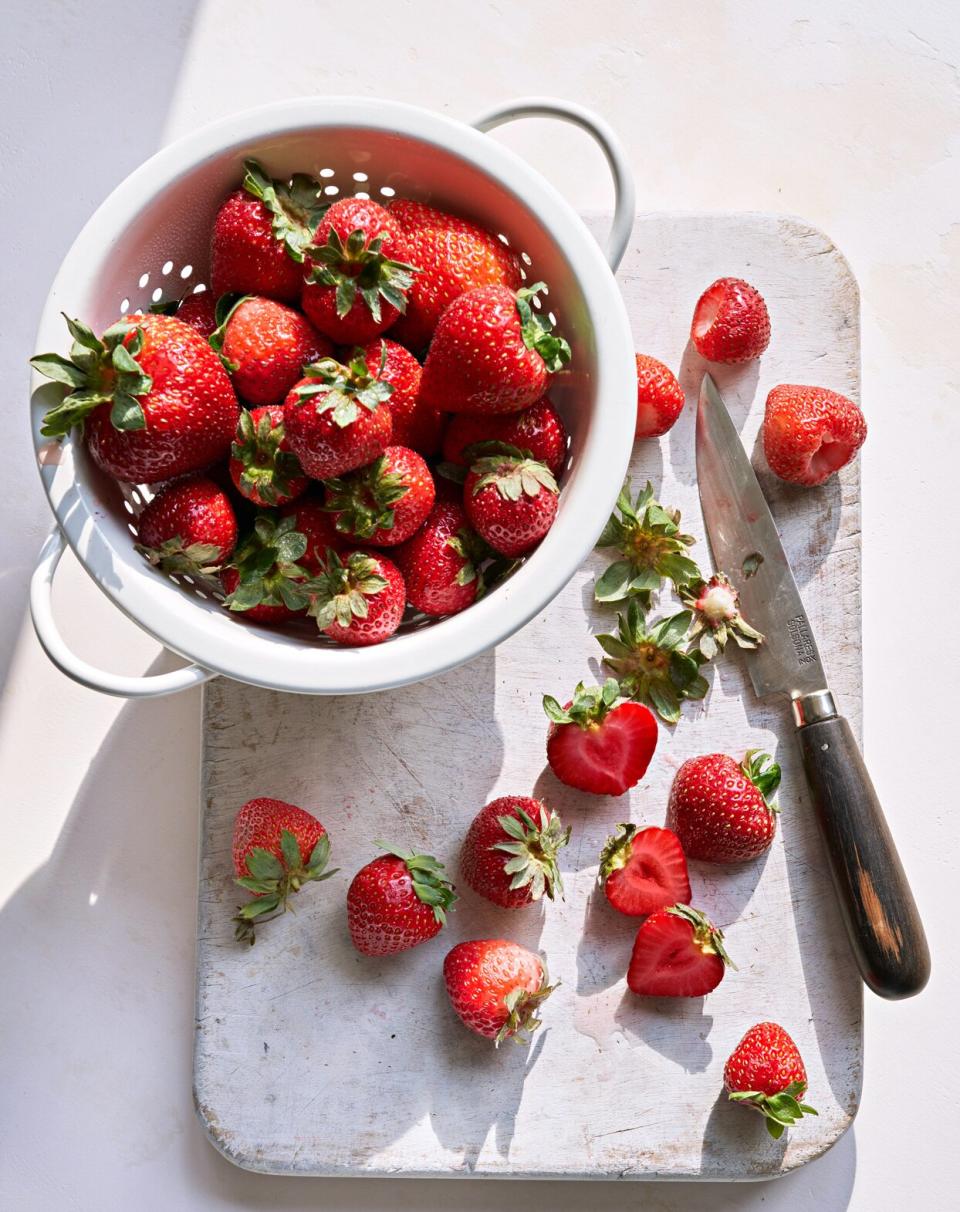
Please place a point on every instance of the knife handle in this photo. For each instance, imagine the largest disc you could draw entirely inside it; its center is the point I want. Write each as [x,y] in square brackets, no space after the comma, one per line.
[878,908]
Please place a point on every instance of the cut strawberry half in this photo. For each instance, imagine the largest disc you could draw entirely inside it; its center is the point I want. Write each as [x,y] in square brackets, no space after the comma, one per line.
[677,953]
[643,870]
[599,742]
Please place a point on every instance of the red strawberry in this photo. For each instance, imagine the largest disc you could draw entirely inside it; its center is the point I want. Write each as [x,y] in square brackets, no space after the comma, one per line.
[413,424]
[359,598]
[265,345]
[396,902]
[491,353]
[277,848]
[259,235]
[496,987]
[316,525]
[809,433]
[453,256]
[643,870]
[598,741]
[334,418]
[721,811]
[765,1072]
[511,501]
[200,312]
[659,398]
[677,953]
[188,528]
[385,503]
[510,852]
[152,397]
[440,564]
[262,466]
[538,431]
[358,276]
[265,581]
[730,322]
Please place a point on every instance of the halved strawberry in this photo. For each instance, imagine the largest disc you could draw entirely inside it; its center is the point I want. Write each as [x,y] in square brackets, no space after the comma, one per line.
[677,953]
[730,322]
[643,870]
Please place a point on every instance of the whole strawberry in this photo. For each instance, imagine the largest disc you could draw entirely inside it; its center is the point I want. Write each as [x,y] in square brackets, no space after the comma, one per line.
[414,424]
[491,353]
[765,1072]
[511,501]
[277,848]
[385,503]
[188,528]
[510,852]
[151,397]
[441,563]
[643,870]
[809,433]
[600,742]
[262,466]
[397,902]
[659,398]
[358,598]
[358,276]
[316,525]
[265,345]
[730,322]
[334,418]
[496,988]
[538,431]
[721,811]
[265,583]
[200,312]
[677,953]
[259,235]
[452,256]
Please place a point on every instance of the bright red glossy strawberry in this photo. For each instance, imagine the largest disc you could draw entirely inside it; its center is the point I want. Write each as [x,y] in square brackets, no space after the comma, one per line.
[453,256]
[496,987]
[510,852]
[599,741]
[659,398]
[259,235]
[511,501]
[441,563]
[643,870]
[730,322]
[358,274]
[538,431]
[188,528]
[414,425]
[277,848]
[200,312]
[677,953]
[152,398]
[262,466]
[316,525]
[265,345]
[492,352]
[385,503]
[335,419]
[264,583]
[721,811]
[359,598]
[766,1072]
[809,433]
[397,902]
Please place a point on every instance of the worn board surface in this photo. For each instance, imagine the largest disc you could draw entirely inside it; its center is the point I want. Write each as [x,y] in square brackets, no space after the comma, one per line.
[311,1059]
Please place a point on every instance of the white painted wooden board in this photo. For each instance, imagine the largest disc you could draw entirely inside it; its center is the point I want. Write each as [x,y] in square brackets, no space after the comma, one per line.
[311,1059]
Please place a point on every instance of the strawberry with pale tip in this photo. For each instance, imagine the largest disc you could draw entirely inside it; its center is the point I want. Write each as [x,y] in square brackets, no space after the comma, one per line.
[189,528]
[678,952]
[643,870]
[511,501]
[358,598]
[262,466]
[496,988]
[809,433]
[765,1072]
[510,852]
[716,617]
[397,901]
[721,811]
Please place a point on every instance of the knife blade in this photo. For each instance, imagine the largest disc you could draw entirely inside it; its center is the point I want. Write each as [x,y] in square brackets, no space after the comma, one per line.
[877,906]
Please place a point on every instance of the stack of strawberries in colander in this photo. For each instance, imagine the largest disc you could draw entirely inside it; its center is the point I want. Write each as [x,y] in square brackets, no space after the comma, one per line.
[306,458]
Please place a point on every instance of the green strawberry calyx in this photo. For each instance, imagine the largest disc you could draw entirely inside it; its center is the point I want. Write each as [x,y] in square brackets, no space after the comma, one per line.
[474,552]
[533,851]
[296,207]
[275,880]
[537,330]
[781,1110]
[339,594]
[716,610]
[588,707]
[764,773]
[359,268]
[522,1008]
[267,471]
[429,885]
[706,936]
[99,371]
[513,474]
[342,390]
[177,558]
[365,500]
[653,549]
[616,852]
[268,567]
[223,313]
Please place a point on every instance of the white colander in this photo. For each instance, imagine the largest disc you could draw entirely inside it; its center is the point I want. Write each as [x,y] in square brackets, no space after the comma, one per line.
[150,239]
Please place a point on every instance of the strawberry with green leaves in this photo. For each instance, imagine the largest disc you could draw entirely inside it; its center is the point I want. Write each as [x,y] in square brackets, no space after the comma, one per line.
[189,528]
[385,503]
[397,901]
[262,466]
[496,988]
[358,598]
[678,952]
[643,870]
[316,525]
[511,501]
[766,1073]
[599,742]
[441,563]
[264,582]
[723,812]
[716,617]
[652,548]
[510,852]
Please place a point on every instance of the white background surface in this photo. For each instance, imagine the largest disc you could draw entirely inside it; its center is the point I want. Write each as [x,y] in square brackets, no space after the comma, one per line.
[850,119]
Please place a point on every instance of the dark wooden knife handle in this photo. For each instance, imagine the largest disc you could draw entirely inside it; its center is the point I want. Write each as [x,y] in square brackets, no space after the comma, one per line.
[878,908]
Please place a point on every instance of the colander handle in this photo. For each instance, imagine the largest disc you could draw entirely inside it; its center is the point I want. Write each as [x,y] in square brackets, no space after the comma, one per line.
[624,208]
[52,643]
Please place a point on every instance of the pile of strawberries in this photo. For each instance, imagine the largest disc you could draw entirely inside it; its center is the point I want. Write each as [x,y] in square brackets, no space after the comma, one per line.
[292,418]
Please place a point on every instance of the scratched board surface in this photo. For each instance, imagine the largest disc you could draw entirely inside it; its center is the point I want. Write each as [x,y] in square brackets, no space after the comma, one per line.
[311,1059]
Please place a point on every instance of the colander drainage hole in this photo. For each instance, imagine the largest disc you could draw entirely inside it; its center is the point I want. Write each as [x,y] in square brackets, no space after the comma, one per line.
[144,279]
[186,272]
[124,306]
[361,194]
[525,258]
[327,172]
[157,295]
[167,267]
[330,190]
[360,177]
[387,191]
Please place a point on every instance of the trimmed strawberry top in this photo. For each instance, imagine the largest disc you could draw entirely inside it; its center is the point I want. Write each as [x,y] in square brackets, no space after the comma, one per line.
[385,503]
[511,501]
[188,528]
[766,1073]
[397,901]
[358,598]
[720,810]
[730,322]
[659,398]
[496,987]
[441,563]
[510,852]
[538,431]
[265,345]
[643,870]
[809,433]
[262,466]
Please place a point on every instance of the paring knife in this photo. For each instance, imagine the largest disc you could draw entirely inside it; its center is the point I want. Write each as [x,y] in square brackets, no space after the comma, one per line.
[878,909]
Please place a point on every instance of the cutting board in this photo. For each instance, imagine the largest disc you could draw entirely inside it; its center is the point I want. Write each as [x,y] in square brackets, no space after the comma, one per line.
[311,1059]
